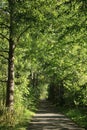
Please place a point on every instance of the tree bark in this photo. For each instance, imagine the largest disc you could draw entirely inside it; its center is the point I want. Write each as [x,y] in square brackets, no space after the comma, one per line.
[10,81]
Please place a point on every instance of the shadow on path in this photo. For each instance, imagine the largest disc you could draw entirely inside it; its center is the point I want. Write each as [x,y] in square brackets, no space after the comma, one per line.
[47,118]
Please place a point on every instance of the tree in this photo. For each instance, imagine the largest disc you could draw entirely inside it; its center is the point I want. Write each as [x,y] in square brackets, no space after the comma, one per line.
[63,53]
[18,22]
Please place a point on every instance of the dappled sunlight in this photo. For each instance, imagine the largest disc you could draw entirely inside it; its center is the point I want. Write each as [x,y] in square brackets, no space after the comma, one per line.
[43,55]
[44,92]
[47,118]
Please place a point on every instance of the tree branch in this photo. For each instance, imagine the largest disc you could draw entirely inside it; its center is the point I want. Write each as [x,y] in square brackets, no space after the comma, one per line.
[3,81]
[4,25]
[3,36]
[4,51]
[3,56]
[22,33]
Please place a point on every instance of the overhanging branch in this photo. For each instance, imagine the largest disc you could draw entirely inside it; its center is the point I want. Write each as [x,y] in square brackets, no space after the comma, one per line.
[4,51]
[22,33]
[3,36]
[4,25]
[3,56]
[3,81]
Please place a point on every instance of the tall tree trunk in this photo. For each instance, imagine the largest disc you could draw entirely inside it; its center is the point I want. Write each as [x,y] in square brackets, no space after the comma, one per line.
[10,82]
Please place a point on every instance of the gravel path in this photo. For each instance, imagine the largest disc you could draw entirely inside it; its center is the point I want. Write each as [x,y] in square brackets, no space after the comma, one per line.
[47,118]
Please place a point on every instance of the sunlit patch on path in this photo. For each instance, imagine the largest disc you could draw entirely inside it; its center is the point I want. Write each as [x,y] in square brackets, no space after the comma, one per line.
[47,118]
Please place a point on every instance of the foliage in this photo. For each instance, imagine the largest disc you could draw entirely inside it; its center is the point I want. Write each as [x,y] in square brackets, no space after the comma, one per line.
[50,54]
[78,115]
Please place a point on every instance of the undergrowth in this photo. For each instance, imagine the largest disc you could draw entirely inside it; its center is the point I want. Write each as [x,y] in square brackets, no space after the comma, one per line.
[77,114]
[16,120]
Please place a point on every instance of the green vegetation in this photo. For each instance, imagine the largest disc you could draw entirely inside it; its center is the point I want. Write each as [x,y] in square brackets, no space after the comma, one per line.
[78,115]
[18,120]
[43,50]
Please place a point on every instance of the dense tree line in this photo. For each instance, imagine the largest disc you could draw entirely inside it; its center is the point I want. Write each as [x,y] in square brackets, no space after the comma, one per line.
[69,67]
[43,42]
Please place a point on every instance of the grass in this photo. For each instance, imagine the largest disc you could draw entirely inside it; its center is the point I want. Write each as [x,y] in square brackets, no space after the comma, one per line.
[78,115]
[19,121]
[24,121]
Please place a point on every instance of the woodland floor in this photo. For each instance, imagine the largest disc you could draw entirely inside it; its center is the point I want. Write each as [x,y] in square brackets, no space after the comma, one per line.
[48,118]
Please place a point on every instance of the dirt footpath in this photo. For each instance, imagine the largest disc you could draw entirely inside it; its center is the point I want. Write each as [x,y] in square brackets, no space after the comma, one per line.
[47,118]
